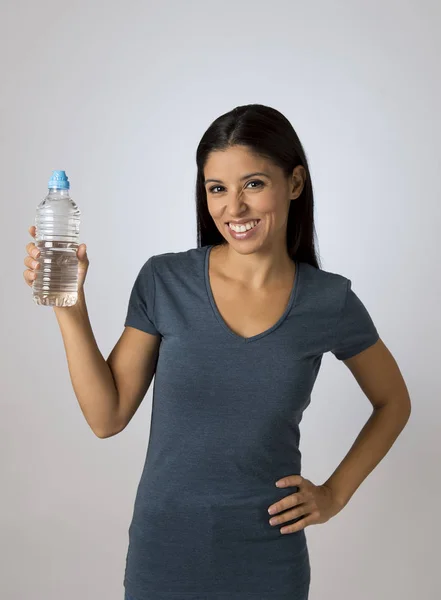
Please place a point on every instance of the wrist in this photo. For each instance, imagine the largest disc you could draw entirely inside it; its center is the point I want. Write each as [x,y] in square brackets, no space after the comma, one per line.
[338,496]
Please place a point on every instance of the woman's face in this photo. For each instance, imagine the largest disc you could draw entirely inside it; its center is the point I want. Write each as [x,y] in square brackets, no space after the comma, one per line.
[259,201]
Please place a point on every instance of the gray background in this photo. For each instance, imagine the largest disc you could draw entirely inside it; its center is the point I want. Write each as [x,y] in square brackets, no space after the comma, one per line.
[118,95]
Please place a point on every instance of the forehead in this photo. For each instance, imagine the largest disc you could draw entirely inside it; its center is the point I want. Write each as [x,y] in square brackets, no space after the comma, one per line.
[236,160]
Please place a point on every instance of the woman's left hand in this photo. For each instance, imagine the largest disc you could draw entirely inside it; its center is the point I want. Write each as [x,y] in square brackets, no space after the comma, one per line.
[314,503]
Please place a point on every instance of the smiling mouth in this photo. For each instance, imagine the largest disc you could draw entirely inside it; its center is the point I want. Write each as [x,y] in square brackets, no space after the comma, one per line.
[243,227]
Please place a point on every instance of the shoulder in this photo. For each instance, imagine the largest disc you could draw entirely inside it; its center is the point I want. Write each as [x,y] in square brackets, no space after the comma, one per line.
[172,269]
[324,288]
[177,261]
[334,312]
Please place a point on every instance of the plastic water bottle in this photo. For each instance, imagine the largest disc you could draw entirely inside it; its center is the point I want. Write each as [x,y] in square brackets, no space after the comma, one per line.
[57,223]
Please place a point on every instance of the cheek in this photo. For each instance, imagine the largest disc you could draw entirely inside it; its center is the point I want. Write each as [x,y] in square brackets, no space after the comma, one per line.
[266,200]
[271,208]
[215,209]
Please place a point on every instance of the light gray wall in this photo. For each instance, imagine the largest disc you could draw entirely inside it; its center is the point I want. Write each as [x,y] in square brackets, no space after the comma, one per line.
[118,95]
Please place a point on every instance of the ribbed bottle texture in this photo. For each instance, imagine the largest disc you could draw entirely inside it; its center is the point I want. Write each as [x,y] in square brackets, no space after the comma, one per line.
[57,223]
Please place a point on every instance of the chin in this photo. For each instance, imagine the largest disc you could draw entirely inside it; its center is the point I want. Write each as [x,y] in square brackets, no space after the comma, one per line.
[245,248]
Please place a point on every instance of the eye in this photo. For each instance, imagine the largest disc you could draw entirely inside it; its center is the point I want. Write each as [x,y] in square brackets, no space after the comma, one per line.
[260,184]
[213,188]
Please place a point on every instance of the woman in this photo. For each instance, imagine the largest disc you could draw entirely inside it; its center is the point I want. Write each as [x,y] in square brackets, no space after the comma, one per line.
[234,331]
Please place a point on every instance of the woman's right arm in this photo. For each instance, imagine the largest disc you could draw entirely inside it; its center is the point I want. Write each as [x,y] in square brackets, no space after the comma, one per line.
[109,392]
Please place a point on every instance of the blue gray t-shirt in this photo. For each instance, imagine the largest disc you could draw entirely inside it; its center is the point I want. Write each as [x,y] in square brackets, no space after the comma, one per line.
[224,428]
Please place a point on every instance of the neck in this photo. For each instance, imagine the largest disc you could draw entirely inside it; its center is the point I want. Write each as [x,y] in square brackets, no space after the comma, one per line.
[257,269]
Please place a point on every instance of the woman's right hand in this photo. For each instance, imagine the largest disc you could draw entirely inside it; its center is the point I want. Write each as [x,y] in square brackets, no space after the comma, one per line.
[31,261]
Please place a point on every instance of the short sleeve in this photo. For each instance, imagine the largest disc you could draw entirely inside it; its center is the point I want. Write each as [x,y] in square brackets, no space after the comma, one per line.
[355,330]
[140,312]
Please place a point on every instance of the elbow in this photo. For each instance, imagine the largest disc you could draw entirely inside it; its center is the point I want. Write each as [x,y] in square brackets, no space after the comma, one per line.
[407,407]
[399,408]
[106,433]
[108,427]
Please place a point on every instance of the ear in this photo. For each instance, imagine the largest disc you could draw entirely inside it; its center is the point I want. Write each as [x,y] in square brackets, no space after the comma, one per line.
[297,181]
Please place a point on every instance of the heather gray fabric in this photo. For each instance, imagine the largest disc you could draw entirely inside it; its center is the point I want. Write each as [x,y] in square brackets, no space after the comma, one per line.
[225,426]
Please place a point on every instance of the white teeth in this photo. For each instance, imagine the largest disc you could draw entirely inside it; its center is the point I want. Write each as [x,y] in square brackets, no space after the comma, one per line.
[244,227]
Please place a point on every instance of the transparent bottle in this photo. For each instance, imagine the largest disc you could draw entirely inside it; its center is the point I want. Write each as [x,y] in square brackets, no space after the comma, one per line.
[57,223]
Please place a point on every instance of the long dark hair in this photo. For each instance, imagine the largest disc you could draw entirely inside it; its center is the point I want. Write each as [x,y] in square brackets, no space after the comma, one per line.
[268,133]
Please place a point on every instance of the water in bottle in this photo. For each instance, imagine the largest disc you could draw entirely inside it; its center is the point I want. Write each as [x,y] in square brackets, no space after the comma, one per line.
[57,223]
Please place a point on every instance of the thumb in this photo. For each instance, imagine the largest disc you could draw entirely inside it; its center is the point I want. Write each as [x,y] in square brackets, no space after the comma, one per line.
[82,252]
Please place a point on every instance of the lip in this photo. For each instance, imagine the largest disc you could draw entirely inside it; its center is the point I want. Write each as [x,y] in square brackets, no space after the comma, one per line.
[242,235]
[241,221]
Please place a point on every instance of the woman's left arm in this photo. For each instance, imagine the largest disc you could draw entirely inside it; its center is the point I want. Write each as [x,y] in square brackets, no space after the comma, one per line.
[379,376]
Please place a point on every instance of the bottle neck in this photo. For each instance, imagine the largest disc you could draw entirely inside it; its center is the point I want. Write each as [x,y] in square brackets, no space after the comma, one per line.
[59,192]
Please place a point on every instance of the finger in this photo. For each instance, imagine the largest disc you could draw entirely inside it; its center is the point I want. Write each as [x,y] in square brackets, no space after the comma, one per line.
[290,480]
[31,263]
[298,525]
[29,276]
[287,502]
[82,252]
[32,230]
[32,249]
[289,515]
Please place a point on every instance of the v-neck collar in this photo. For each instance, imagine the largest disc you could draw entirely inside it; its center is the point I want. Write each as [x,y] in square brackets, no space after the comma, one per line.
[240,338]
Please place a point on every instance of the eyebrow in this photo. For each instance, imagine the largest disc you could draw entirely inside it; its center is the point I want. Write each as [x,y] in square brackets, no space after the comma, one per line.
[242,178]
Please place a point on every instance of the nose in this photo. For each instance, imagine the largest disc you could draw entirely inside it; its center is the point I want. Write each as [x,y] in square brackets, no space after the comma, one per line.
[236,205]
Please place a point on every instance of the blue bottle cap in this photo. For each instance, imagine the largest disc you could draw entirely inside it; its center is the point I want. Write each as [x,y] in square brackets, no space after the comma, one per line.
[59,180]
